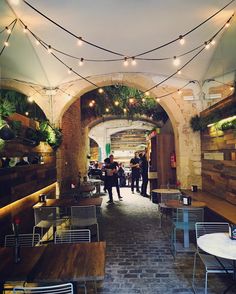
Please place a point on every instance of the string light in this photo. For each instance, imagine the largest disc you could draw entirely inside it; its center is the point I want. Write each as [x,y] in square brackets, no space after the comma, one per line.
[91,104]
[179,92]
[26,113]
[93,101]
[107,110]
[125,110]
[179,72]
[116,103]
[207,45]
[30,99]
[181,40]
[80,41]
[25,30]
[131,100]
[227,24]
[176,61]
[147,93]
[143,100]
[6,43]
[213,42]
[133,62]
[100,90]
[69,71]
[49,49]
[37,42]
[120,54]
[126,62]
[8,30]
[81,62]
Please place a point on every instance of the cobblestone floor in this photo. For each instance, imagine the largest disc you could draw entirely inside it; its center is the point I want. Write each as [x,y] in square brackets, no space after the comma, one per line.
[138,258]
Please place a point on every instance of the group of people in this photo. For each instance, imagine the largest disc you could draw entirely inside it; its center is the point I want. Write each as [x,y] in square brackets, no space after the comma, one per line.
[139,167]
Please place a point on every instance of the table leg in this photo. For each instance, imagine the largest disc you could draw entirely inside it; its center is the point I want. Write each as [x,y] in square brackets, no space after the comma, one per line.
[186,229]
[234,278]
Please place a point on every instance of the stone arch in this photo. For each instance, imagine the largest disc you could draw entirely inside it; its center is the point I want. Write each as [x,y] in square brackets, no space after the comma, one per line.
[179,111]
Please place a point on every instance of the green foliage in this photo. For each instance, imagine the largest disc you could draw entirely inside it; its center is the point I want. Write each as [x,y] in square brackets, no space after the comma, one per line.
[50,134]
[6,108]
[199,123]
[130,99]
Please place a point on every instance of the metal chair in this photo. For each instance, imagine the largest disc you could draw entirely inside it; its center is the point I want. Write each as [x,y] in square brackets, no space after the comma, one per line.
[84,216]
[57,289]
[72,236]
[180,223]
[45,218]
[25,240]
[212,264]
[165,211]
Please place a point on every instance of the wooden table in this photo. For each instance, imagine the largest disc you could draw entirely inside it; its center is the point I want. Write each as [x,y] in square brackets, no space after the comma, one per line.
[174,204]
[68,202]
[55,263]
[166,191]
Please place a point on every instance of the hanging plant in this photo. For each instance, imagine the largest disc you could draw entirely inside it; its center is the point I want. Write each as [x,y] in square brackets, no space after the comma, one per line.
[50,134]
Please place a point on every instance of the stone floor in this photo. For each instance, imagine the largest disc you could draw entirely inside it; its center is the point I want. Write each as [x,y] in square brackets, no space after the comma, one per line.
[138,258]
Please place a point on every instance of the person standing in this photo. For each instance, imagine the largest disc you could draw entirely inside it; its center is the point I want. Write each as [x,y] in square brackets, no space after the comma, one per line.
[111,168]
[144,173]
[135,172]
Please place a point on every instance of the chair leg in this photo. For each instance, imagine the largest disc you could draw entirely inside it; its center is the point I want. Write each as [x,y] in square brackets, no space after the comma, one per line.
[194,271]
[97,232]
[206,276]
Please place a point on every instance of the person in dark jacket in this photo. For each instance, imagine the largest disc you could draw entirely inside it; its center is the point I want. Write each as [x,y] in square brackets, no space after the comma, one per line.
[144,172]
[135,172]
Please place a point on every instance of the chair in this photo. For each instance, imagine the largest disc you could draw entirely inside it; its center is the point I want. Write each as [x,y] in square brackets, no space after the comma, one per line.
[84,216]
[165,210]
[45,218]
[212,264]
[72,236]
[62,289]
[184,219]
[25,240]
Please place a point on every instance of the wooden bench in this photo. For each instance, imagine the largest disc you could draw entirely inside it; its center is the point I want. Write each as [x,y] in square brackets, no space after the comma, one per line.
[218,205]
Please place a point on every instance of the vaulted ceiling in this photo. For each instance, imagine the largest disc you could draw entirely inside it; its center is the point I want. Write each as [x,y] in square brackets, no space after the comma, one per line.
[128,27]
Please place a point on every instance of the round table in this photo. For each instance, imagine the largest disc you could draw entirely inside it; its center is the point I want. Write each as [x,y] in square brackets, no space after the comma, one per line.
[166,191]
[219,245]
[97,184]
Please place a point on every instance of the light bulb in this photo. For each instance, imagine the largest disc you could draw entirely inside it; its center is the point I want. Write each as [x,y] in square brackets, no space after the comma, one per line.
[69,71]
[131,100]
[37,42]
[107,109]
[143,99]
[6,44]
[30,99]
[181,40]
[158,100]
[179,72]
[90,104]
[27,113]
[179,91]
[93,101]
[25,30]
[100,90]
[207,45]
[80,41]
[116,103]
[227,24]
[49,49]
[231,88]
[133,62]
[81,62]
[125,110]
[213,42]
[15,2]
[146,93]
[8,30]
[126,62]
[176,61]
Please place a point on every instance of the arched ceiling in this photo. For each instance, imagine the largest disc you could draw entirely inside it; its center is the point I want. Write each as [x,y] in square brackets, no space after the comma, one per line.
[129,27]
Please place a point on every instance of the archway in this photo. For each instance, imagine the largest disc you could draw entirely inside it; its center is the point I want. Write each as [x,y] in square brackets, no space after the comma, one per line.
[179,111]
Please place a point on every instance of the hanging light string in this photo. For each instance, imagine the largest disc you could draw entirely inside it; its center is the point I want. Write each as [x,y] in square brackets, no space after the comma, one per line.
[82,59]
[191,59]
[6,43]
[49,49]
[8,27]
[179,38]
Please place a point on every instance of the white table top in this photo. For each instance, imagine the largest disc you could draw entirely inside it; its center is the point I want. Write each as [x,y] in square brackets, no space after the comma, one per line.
[166,191]
[218,244]
[94,181]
